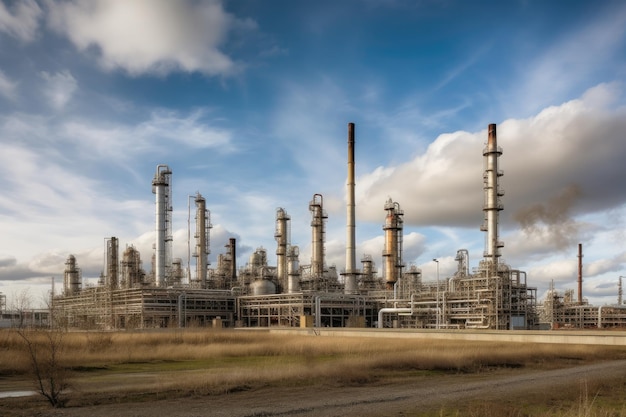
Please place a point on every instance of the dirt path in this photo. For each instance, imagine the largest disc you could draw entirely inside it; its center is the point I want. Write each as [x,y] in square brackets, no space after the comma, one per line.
[395,399]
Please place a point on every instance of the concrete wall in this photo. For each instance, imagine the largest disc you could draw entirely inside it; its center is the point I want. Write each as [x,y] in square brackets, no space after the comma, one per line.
[611,338]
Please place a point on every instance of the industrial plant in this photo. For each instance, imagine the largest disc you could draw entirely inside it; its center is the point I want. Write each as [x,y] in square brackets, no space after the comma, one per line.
[298,293]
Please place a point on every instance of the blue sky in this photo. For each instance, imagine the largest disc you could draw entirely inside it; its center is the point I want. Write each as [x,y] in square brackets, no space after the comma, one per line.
[248,103]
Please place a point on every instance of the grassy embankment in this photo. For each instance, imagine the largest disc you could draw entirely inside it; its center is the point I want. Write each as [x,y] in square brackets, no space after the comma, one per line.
[203,362]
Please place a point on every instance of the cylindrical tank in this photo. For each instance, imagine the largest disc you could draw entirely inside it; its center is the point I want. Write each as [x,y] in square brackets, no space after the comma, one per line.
[202,250]
[317,235]
[293,270]
[282,241]
[72,277]
[368,266]
[177,272]
[161,188]
[132,273]
[112,278]
[392,254]
[414,277]
[262,287]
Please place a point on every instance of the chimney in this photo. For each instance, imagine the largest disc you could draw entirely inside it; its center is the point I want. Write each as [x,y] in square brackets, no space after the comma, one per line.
[351,273]
[492,205]
[580,273]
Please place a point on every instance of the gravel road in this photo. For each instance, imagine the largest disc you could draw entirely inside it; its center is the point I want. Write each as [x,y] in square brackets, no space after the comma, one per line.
[393,399]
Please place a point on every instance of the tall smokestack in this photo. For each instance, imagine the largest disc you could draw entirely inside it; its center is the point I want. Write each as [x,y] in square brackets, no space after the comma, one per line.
[492,205]
[350,274]
[580,273]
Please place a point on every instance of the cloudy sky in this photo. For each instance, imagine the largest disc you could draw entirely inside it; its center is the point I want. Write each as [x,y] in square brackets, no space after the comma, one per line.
[248,103]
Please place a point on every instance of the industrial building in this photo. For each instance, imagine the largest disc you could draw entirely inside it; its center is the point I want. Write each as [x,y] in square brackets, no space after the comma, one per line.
[493,295]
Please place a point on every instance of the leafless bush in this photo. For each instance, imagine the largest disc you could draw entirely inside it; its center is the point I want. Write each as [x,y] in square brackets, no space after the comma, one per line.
[44,349]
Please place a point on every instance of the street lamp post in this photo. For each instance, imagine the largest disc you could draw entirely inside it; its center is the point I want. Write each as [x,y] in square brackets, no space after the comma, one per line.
[438,310]
[619,290]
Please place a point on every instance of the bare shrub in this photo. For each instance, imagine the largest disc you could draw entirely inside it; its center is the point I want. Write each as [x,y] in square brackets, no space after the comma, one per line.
[44,349]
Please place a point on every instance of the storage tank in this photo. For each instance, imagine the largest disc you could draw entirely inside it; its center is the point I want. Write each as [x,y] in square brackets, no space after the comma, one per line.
[72,277]
[262,287]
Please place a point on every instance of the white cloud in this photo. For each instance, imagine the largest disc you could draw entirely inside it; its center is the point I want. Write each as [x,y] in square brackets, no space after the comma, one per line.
[151,36]
[59,88]
[8,88]
[22,21]
[565,161]
[90,140]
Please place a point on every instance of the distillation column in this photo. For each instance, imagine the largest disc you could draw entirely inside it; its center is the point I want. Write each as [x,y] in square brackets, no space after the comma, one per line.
[283,238]
[492,205]
[232,250]
[392,254]
[112,263]
[317,236]
[202,236]
[293,269]
[163,245]
[71,277]
[132,273]
[351,272]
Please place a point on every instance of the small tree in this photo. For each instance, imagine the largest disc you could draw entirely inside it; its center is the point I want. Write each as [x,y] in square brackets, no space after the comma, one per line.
[44,348]
[21,304]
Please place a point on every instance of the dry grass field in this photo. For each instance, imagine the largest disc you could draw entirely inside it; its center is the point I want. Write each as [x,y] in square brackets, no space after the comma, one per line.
[137,368]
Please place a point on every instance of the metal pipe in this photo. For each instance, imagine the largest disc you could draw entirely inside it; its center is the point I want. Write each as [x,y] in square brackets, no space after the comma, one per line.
[350,274]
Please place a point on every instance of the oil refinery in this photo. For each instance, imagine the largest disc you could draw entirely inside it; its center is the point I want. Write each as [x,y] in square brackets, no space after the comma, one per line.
[293,293]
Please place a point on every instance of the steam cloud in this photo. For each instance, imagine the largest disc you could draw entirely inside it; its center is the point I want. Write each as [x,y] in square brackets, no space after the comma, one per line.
[553,218]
